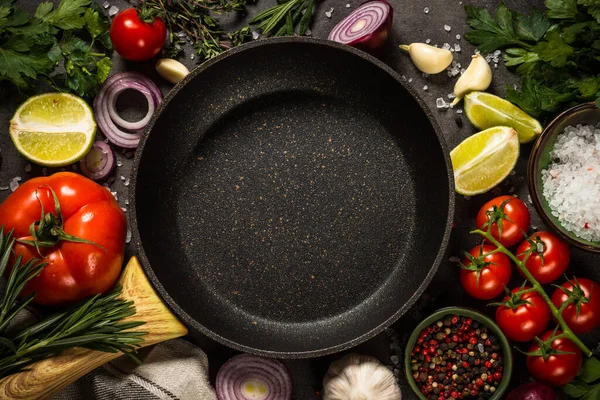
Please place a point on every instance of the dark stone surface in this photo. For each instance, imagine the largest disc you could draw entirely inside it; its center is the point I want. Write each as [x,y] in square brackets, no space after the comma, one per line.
[410,24]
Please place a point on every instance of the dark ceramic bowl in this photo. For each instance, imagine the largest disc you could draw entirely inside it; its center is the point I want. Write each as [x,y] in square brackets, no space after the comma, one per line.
[474,315]
[540,159]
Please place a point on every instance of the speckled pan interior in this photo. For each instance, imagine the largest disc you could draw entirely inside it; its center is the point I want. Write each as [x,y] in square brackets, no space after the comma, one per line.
[291,198]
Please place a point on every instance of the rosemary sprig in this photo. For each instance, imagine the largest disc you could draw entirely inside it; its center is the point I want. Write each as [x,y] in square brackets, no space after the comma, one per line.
[288,16]
[93,324]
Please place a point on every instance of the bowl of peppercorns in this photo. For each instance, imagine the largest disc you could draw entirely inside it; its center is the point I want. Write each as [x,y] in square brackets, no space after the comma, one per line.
[458,353]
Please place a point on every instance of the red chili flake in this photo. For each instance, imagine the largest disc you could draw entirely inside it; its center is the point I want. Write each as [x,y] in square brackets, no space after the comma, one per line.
[586,226]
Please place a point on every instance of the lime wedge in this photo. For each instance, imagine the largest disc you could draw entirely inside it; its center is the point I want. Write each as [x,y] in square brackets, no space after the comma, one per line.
[53,129]
[483,160]
[485,110]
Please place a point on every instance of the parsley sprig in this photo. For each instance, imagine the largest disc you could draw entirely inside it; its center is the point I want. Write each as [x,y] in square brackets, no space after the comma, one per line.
[65,35]
[556,52]
[94,324]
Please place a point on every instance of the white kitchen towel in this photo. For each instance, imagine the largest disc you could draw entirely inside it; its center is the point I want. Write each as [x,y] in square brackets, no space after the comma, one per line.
[172,370]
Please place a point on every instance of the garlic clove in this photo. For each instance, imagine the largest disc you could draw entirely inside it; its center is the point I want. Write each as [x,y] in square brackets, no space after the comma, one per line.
[359,377]
[172,70]
[477,77]
[428,59]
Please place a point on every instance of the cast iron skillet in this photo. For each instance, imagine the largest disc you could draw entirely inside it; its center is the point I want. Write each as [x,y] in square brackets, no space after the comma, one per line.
[291,198]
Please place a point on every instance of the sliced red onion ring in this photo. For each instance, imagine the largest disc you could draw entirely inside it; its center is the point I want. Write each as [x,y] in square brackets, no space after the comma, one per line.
[99,162]
[106,113]
[365,28]
[248,377]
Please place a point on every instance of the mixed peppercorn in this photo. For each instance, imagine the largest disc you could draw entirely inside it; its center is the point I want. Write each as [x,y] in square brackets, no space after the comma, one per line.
[457,358]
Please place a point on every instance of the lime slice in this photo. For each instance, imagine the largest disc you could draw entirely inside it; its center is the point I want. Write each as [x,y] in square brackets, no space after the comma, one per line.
[53,129]
[485,110]
[483,160]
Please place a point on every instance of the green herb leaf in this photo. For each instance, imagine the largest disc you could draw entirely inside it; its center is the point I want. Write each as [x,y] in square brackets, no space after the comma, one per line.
[575,389]
[43,9]
[68,15]
[590,370]
[93,23]
[517,56]
[593,8]
[589,88]
[561,9]
[532,27]
[305,21]
[554,50]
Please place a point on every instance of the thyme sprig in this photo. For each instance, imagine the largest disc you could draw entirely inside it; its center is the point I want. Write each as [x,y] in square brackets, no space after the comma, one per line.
[94,323]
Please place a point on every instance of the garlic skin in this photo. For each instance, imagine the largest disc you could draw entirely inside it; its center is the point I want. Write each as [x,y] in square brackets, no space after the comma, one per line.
[359,377]
[477,77]
[172,70]
[428,59]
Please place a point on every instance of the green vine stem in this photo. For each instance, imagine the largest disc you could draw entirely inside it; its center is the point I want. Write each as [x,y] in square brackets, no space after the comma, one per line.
[567,332]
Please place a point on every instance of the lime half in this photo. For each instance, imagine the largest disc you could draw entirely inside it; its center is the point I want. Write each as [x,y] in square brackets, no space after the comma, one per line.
[485,110]
[484,160]
[53,129]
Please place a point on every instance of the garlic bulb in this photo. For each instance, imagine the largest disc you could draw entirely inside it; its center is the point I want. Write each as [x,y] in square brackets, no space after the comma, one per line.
[428,59]
[172,70]
[359,377]
[477,77]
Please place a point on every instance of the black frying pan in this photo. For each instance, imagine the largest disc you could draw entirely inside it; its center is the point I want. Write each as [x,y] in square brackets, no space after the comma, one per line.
[291,198]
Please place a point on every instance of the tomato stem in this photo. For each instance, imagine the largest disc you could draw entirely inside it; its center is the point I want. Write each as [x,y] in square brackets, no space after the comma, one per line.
[567,332]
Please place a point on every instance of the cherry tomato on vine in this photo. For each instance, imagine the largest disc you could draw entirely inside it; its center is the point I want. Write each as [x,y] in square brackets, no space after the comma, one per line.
[523,316]
[584,295]
[484,276]
[507,213]
[134,39]
[556,369]
[555,260]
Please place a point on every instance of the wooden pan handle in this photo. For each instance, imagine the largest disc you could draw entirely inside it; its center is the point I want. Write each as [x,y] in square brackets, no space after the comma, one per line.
[45,378]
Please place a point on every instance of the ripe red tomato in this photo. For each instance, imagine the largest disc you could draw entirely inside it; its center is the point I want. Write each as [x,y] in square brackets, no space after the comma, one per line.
[586,294]
[556,257]
[134,39]
[524,317]
[557,369]
[89,212]
[494,273]
[512,215]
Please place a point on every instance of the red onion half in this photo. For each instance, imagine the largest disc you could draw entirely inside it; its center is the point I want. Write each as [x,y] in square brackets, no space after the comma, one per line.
[99,162]
[365,28]
[247,377]
[532,391]
[107,118]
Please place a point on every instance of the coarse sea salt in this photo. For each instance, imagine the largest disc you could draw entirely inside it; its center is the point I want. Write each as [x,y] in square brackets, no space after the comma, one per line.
[571,183]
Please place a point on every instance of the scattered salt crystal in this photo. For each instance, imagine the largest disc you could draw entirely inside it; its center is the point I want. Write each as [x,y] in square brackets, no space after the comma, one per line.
[28,168]
[515,86]
[497,53]
[119,163]
[126,183]
[454,259]
[328,13]
[446,46]
[409,80]
[447,28]
[457,37]
[428,41]
[403,77]
[462,71]
[112,11]
[425,87]
[426,10]
[181,34]
[457,47]
[348,5]
[529,198]
[128,236]
[440,103]
[122,178]
[13,185]
[17,178]
[115,195]
[124,209]
[459,111]
[126,202]
[451,96]
[450,73]
[192,56]
[308,32]
[513,172]
[4,188]
[495,65]
[255,35]
[454,62]
[106,4]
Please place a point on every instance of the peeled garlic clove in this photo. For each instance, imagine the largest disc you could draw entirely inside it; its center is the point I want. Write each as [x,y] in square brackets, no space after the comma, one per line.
[428,59]
[359,377]
[476,78]
[172,70]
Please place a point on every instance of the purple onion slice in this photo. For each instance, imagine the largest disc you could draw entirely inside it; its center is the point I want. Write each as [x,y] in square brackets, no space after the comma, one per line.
[99,162]
[365,28]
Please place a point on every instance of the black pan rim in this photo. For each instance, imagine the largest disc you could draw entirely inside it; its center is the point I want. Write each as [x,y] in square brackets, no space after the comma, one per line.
[195,325]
